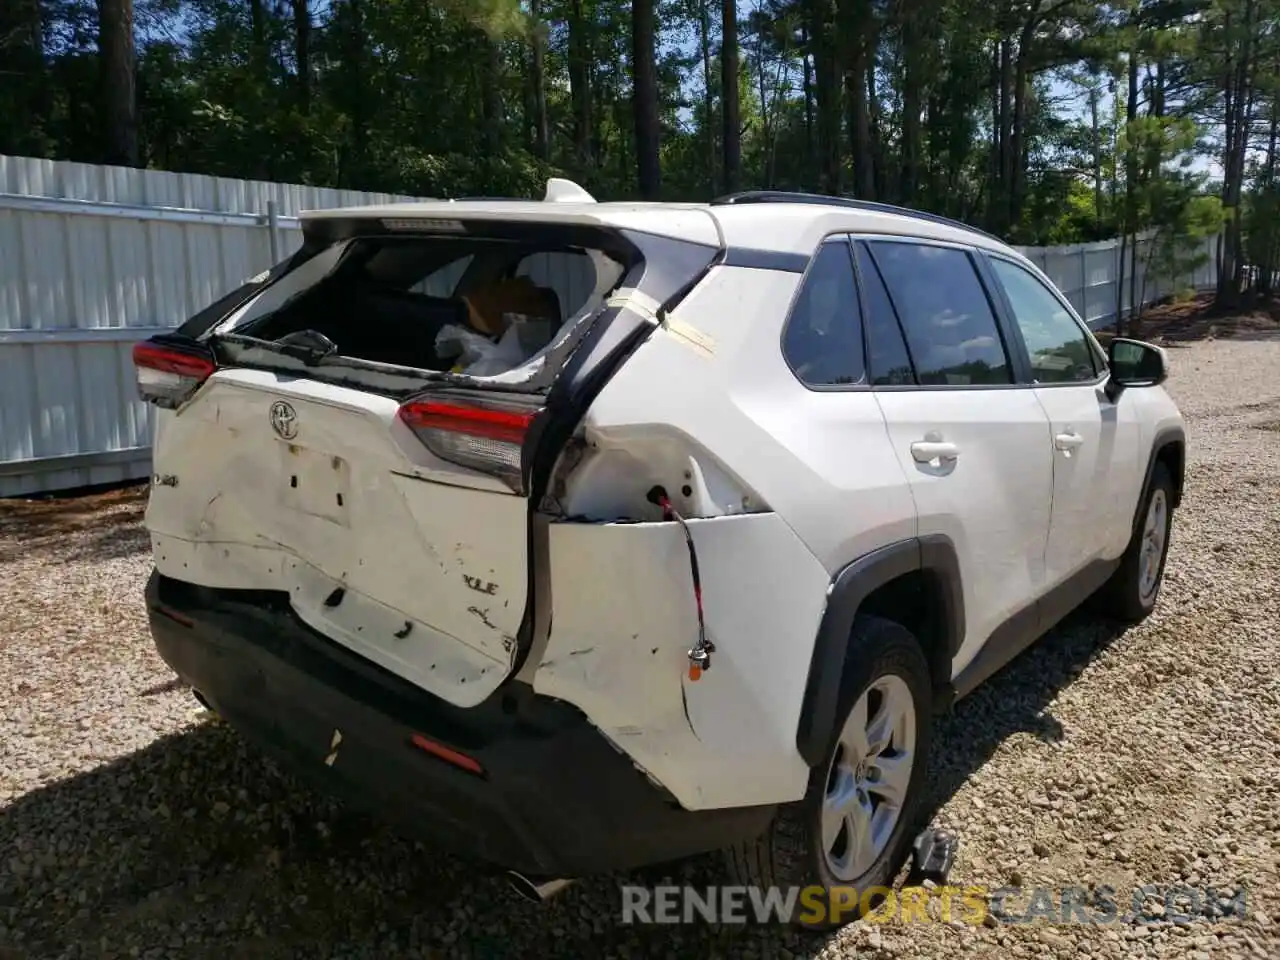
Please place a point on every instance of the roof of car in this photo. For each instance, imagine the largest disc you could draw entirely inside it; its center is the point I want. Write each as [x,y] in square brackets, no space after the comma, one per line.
[787,223]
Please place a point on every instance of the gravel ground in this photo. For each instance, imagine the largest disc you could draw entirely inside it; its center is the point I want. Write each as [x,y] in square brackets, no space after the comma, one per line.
[131,825]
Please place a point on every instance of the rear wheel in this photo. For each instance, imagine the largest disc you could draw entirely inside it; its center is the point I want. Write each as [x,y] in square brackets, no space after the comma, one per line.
[1131,593]
[852,831]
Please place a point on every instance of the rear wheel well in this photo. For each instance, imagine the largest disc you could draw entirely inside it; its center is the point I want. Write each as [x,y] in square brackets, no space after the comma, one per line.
[915,601]
[1173,456]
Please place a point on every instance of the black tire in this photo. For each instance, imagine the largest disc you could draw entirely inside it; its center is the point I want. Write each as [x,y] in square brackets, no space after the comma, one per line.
[790,853]
[1122,597]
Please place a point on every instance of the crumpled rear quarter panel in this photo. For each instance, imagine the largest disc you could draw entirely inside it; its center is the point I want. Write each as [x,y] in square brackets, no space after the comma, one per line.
[624,620]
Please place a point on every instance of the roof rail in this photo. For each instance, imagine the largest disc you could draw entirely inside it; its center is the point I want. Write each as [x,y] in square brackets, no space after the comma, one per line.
[871,206]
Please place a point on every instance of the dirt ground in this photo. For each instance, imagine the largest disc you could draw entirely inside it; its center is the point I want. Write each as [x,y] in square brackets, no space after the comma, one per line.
[132,825]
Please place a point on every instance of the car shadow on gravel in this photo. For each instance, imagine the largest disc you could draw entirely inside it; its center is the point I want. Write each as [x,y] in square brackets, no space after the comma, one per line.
[1014,701]
[197,846]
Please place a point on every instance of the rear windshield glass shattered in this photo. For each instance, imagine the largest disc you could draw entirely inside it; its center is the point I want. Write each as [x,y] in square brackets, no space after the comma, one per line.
[474,307]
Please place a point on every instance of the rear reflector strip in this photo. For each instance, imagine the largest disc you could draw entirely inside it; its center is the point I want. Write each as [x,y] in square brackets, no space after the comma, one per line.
[460,760]
[174,615]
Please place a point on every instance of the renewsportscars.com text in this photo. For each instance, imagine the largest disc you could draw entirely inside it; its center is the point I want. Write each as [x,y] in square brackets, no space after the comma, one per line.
[973,905]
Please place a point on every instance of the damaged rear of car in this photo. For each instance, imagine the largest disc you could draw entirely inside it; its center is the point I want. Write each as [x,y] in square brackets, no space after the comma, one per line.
[352,516]
[365,432]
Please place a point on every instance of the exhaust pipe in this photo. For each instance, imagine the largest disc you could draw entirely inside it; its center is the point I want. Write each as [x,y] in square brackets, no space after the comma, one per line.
[535,892]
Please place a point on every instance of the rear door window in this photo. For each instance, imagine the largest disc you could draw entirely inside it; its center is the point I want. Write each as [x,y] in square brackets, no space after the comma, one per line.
[822,341]
[949,323]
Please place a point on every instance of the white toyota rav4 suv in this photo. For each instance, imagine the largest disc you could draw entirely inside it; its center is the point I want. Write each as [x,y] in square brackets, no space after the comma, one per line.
[581,536]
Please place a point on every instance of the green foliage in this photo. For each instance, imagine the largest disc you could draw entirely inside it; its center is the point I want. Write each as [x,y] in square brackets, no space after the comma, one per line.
[439,98]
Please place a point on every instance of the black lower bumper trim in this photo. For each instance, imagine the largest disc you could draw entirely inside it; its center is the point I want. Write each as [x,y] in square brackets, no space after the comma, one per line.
[555,798]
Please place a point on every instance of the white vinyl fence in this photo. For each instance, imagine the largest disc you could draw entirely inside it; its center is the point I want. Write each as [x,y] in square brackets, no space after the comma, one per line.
[94,258]
[1086,273]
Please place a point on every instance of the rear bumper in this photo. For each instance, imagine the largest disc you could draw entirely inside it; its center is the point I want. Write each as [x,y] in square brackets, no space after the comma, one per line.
[555,797]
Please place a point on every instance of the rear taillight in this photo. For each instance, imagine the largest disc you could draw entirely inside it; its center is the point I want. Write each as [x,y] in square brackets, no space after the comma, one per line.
[483,435]
[168,374]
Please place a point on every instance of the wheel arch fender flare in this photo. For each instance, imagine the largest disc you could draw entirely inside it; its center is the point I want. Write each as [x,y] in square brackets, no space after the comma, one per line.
[1168,437]
[936,557]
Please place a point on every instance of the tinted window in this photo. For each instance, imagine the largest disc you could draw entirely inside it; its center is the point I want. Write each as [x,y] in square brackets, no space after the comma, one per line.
[823,338]
[950,328]
[888,363]
[1059,349]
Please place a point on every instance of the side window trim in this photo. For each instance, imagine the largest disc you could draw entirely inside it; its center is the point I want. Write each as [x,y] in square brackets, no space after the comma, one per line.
[840,238]
[1015,353]
[1100,360]
[857,246]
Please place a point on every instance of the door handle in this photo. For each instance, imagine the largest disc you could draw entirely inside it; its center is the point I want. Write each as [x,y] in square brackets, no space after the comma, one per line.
[1066,442]
[926,450]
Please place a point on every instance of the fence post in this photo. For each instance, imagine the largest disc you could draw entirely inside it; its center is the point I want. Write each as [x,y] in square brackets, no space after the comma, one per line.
[1084,284]
[273,221]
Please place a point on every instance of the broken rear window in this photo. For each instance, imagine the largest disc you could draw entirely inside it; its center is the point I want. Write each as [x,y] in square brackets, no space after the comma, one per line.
[475,306]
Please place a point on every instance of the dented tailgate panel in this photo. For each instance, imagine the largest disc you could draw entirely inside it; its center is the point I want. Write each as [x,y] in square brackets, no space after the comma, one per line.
[377,547]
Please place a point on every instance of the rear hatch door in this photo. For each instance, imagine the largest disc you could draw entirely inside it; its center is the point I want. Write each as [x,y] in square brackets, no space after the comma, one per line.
[324,493]
[390,504]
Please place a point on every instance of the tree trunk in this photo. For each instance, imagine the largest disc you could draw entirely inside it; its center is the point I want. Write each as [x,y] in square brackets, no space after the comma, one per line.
[1131,175]
[580,55]
[878,164]
[708,101]
[541,124]
[25,92]
[1268,260]
[1237,218]
[771,158]
[1004,164]
[912,101]
[355,99]
[857,28]
[1269,167]
[116,50]
[1238,123]
[864,175]
[766,122]
[492,100]
[996,157]
[302,52]
[1120,272]
[827,70]
[729,96]
[811,153]
[1097,160]
[598,81]
[1017,148]
[645,82]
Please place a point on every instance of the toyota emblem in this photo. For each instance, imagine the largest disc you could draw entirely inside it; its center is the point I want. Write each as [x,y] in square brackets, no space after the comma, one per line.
[284,420]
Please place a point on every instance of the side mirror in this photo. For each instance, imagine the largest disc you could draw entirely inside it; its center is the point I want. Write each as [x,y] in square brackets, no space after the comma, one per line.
[1134,364]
